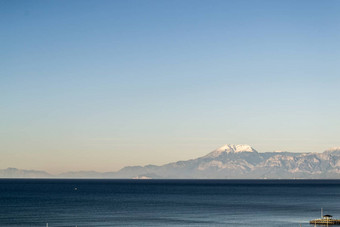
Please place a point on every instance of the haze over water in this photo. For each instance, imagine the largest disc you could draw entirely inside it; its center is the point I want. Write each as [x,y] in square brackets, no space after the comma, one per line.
[88,85]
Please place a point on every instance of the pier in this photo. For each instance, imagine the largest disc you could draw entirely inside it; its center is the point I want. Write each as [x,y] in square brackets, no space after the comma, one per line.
[325,220]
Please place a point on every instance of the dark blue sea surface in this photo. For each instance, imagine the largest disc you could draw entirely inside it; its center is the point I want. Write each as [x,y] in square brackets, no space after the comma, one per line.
[80,203]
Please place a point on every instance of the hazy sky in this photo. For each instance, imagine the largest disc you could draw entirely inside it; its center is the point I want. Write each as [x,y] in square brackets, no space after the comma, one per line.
[98,85]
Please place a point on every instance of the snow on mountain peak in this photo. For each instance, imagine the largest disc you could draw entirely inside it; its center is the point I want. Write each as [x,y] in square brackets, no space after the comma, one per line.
[230,148]
[334,149]
[235,148]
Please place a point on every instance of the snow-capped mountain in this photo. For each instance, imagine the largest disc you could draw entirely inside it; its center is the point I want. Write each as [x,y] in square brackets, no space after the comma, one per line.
[226,162]
[244,162]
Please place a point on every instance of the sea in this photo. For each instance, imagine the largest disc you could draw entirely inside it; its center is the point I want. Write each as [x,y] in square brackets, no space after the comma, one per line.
[71,202]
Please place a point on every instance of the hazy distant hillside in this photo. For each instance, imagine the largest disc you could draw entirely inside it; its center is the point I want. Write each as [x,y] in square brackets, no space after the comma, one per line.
[226,162]
[18,173]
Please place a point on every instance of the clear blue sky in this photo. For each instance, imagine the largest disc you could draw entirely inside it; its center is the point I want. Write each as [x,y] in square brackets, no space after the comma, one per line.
[98,85]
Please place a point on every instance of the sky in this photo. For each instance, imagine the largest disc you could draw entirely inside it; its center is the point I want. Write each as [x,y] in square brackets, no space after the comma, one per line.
[99,85]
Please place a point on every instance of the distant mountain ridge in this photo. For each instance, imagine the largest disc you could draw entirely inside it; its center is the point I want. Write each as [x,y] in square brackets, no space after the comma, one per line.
[20,173]
[226,162]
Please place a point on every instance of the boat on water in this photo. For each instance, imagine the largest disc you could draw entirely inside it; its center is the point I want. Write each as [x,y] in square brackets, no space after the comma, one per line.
[325,220]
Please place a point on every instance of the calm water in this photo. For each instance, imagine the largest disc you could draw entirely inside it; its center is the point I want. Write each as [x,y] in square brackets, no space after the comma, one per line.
[166,202]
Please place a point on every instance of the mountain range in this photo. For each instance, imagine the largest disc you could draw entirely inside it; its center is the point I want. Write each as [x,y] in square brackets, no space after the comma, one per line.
[226,162]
